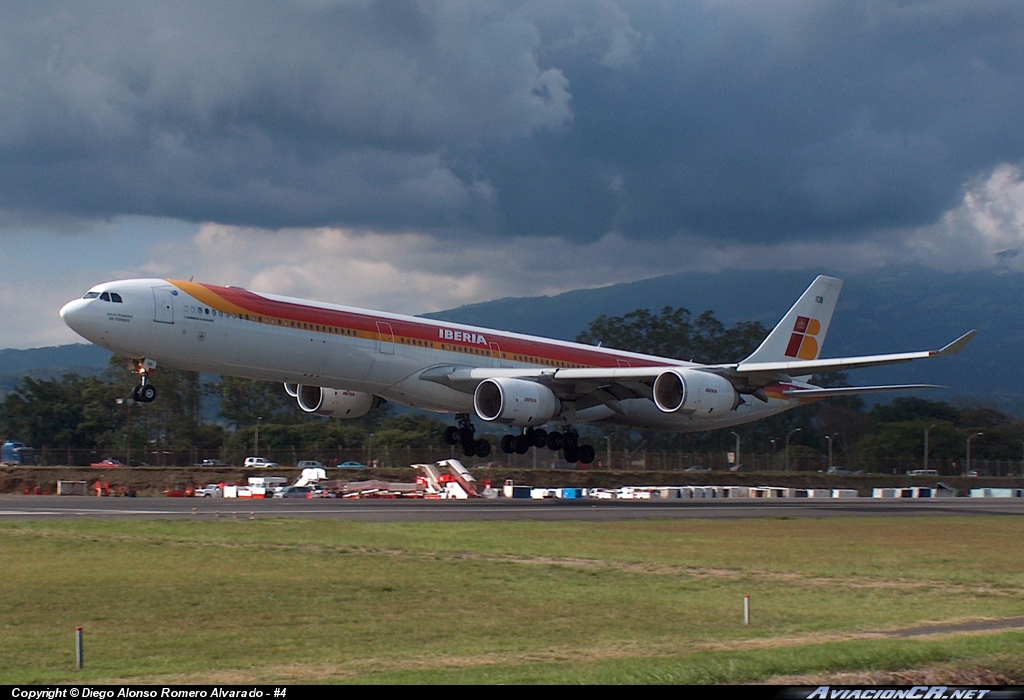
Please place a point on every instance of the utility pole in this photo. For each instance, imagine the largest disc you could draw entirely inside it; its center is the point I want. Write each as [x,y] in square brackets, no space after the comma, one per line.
[926,444]
[737,436]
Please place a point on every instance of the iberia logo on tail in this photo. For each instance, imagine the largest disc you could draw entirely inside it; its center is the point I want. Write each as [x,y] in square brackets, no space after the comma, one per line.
[802,343]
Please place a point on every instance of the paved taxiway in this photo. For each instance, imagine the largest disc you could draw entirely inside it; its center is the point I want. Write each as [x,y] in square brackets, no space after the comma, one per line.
[15,508]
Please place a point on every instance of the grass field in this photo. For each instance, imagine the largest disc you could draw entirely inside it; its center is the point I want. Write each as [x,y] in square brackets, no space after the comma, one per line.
[643,601]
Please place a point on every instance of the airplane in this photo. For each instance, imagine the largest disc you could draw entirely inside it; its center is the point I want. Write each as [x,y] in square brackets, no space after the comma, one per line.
[342,362]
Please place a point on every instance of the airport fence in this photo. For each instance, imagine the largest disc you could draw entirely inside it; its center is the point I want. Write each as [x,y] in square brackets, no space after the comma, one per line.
[385,456]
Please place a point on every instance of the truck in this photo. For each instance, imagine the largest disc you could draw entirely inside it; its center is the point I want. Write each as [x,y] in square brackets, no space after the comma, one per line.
[15,453]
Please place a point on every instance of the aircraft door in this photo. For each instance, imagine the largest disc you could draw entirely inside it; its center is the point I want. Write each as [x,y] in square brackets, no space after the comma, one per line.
[163,304]
[387,338]
[496,360]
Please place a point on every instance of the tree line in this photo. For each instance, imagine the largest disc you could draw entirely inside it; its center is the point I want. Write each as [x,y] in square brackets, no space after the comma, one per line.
[202,413]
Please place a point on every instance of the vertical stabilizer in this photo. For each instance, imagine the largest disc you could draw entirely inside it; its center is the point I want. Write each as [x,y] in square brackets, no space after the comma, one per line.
[800,334]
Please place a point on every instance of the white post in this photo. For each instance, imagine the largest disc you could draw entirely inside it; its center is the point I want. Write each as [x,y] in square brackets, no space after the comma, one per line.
[79,659]
[746,610]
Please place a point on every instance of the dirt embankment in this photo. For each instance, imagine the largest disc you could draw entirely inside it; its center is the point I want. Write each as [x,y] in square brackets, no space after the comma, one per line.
[152,481]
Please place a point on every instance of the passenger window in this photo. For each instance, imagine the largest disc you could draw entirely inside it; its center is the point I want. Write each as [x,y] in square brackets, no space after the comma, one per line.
[207,312]
[114,296]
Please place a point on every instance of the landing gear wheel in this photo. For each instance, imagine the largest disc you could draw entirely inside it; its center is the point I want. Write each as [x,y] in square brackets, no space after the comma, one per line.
[469,449]
[572,454]
[554,441]
[483,448]
[135,393]
[466,434]
[587,454]
[506,444]
[451,435]
[570,438]
[540,437]
[520,444]
[147,392]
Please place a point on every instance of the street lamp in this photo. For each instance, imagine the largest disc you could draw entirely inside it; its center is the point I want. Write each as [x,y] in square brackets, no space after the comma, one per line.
[128,435]
[790,433]
[829,438]
[771,466]
[926,444]
[969,451]
[737,436]
[256,451]
[608,441]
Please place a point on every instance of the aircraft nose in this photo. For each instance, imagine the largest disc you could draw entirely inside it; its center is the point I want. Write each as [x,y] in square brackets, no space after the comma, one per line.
[72,313]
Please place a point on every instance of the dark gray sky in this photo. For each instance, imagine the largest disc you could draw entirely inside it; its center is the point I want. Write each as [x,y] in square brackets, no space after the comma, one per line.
[711,133]
[746,120]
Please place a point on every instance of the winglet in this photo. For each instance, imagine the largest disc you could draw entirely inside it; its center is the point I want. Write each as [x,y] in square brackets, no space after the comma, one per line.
[957,345]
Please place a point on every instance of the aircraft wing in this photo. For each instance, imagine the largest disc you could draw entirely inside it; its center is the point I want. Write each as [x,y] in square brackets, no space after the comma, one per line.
[605,385]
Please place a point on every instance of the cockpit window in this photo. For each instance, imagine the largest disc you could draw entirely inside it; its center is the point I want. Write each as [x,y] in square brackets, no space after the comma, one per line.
[105,296]
[91,295]
[114,296]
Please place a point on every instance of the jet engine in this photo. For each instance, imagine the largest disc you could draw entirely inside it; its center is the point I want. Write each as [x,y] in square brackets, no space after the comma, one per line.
[515,402]
[691,391]
[336,403]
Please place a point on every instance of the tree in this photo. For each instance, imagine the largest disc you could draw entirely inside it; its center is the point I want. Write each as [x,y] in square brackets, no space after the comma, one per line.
[243,401]
[674,334]
[69,412]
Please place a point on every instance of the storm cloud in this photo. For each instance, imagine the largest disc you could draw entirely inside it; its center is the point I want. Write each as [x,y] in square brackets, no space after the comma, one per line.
[732,121]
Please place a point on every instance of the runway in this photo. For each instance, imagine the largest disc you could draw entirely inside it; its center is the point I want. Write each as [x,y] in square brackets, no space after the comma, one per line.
[15,508]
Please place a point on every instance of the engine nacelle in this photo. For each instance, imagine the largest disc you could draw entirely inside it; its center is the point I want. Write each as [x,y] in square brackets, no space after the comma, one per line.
[291,389]
[693,391]
[336,403]
[516,402]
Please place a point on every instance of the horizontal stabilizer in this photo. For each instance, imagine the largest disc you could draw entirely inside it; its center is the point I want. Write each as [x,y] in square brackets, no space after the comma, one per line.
[851,390]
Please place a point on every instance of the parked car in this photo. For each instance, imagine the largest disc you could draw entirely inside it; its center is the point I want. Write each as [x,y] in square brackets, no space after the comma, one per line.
[107,463]
[211,463]
[310,464]
[259,463]
[838,470]
[741,468]
[351,465]
[697,470]
[294,492]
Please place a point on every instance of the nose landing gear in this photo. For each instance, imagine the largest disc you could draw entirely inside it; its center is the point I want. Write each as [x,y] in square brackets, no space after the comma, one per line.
[144,392]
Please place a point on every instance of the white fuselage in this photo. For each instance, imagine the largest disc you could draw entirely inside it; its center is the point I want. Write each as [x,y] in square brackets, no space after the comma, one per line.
[231,331]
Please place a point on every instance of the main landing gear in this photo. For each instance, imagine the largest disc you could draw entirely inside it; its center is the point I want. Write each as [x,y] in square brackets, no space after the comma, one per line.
[566,442]
[464,435]
[144,392]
